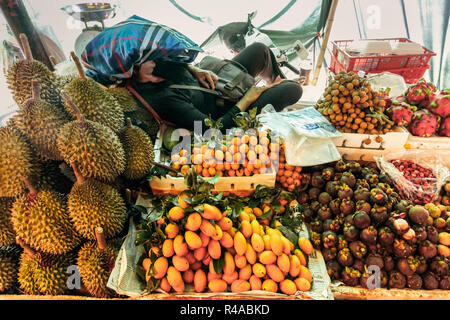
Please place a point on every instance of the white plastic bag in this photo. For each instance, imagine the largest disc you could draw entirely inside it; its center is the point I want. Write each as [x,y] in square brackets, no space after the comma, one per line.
[307,135]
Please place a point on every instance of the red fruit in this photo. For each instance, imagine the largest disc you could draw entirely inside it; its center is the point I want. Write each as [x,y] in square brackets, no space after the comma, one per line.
[440,104]
[444,130]
[420,92]
[401,114]
[424,123]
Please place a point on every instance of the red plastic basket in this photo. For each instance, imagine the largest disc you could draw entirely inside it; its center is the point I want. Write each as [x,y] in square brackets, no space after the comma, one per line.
[410,67]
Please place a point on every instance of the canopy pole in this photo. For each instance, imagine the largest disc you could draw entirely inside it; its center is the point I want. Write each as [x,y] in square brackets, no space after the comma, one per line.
[324,42]
[19,21]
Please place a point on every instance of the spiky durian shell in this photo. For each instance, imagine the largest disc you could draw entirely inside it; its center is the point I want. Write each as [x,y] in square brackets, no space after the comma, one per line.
[94,147]
[16,162]
[41,122]
[124,98]
[144,120]
[63,80]
[95,204]
[20,77]
[7,234]
[138,151]
[53,178]
[8,272]
[95,103]
[44,274]
[43,222]
[96,266]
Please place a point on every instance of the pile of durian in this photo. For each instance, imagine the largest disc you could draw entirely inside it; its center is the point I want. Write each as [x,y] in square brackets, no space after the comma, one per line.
[61,156]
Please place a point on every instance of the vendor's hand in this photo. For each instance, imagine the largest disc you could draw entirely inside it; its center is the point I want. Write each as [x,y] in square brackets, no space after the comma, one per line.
[145,73]
[207,78]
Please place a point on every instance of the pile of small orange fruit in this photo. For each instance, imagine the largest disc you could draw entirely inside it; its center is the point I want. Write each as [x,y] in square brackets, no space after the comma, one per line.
[238,156]
[290,177]
[255,257]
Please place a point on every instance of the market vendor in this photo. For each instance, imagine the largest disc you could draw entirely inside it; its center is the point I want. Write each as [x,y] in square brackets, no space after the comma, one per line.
[182,107]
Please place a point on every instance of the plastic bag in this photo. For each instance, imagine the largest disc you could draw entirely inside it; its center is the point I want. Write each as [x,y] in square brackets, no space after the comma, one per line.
[418,190]
[307,135]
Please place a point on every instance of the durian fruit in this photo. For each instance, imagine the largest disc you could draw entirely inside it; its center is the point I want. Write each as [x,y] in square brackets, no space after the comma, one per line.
[23,72]
[8,272]
[94,102]
[138,151]
[124,98]
[145,120]
[16,162]
[94,204]
[44,274]
[7,234]
[52,177]
[42,221]
[41,122]
[95,148]
[96,261]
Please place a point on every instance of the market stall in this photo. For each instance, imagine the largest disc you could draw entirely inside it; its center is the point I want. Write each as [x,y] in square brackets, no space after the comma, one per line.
[344,198]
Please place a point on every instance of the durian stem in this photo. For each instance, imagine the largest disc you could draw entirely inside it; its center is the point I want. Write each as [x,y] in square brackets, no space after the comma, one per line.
[164,166]
[77,173]
[128,195]
[72,105]
[78,65]
[53,61]
[29,186]
[129,123]
[101,241]
[30,252]
[35,89]
[25,47]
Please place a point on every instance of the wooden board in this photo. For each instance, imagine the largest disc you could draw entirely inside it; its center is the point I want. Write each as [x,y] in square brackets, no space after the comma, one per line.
[355,293]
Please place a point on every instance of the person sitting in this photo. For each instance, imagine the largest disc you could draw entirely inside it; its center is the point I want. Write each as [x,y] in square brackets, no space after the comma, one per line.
[183,107]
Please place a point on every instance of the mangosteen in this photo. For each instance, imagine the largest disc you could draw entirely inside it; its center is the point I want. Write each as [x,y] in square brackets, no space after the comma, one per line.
[362,184]
[396,280]
[379,213]
[341,243]
[350,276]
[316,225]
[427,249]
[351,233]
[307,215]
[324,198]
[374,259]
[349,219]
[336,224]
[384,250]
[345,258]
[410,236]
[340,166]
[432,234]
[444,284]
[329,253]
[359,265]
[402,249]
[419,215]
[384,178]
[354,167]
[324,213]
[329,239]
[334,269]
[348,179]
[407,266]
[422,265]
[347,207]
[366,171]
[378,196]
[327,224]
[313,194]
[399,226]
[362,205]
[358,249]
[334,206]
[386,236]
[332,188]
[315,206]
[345,192]
[315,239]
[317,181]
[421,232]
[361,219]
[361,194]
[430,280]
[303,198]
[328,174]
[389,263]
[363,281]
[414,281]
[384,279]
[369,235]
[439,266]
[403,206]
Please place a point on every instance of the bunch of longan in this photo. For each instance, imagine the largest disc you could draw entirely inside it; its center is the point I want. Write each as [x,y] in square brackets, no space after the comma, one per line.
[352,106]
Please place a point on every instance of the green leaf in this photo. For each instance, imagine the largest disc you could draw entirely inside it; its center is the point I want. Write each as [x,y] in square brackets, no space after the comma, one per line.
[267,214]
[155,215]
[213,180]
[288,233]
[252,113]
[157,172]
[219,263]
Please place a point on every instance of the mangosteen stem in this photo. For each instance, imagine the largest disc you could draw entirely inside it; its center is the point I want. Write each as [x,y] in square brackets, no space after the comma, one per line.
[78,65]
[29,185]
[30,252]
[76,171]
[72,105]
[26,47]
[101,241]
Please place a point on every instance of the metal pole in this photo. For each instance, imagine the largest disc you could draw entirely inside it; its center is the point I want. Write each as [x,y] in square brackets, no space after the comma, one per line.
[19,21]
[325,41]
